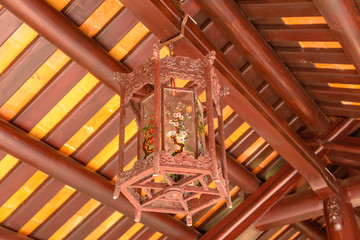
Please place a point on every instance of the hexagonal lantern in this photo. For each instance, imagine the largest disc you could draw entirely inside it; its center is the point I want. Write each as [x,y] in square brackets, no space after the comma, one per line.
[176,170]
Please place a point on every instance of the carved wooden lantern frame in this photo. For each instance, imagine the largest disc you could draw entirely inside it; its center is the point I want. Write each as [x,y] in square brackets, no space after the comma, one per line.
[184,187]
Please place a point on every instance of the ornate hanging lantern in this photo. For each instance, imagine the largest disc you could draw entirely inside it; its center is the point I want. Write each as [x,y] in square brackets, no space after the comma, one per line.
[175,163]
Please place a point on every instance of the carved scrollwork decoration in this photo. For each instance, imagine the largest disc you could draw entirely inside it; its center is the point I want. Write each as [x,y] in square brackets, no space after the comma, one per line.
[185,159]
[335,213]
[139,167]
[142,75]
[182,68]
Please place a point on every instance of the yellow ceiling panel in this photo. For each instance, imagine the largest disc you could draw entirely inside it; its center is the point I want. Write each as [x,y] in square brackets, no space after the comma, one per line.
[278,232]
[341,85]
[350,103]
[303,20]
[104,226]
[335,66]
[38,80]
[49,208]
[6,164]
[23,193]
[91,126]
[265,162]
[65,105]
[308,44]
[294,236]
[236,134]
[129,233]
[100,17]
[156,236]
[251,149]
[15,44]
[58,4]
[110,149]
[214,208]
[129,41]
[84,211]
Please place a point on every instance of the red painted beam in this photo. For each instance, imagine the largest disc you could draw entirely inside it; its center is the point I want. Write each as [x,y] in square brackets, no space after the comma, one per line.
[163,20]
[333,146]
[254,206]
[47,159]
[343,19]
[304,205]
[310,229]
[6,234]
[239,175]
[95,59]
[236,26]
[65,35]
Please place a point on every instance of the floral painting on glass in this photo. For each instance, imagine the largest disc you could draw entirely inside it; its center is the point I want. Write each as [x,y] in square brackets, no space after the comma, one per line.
[179,121]
[180,134]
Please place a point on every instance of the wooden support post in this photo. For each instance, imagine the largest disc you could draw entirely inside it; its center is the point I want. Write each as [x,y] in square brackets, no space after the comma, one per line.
[340,219]
[343,19]
[120,163]
[47,159]
[210,117]
[236,26]
[157,113]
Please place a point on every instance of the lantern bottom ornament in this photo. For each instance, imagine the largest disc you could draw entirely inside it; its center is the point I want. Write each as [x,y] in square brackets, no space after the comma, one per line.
[185,185]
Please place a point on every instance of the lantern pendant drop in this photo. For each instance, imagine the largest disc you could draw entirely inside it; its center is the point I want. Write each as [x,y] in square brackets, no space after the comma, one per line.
[173,172]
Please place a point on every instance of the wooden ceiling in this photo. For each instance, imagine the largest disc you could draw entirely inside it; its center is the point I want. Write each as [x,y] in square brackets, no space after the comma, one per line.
[291,119]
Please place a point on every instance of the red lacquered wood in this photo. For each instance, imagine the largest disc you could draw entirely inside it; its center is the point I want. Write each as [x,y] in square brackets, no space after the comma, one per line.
[310,229]
[249,41]
[65,35]
[6,234]
[343,19]
[48,160]
[243,100]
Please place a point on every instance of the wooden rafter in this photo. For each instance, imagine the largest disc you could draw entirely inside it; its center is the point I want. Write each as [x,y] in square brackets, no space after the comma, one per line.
[343,19]
[254,206]
[8,234]
[304,205]
[250,42]
[310,229]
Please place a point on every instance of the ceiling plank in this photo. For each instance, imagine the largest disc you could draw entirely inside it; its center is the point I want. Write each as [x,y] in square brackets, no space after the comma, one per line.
[242,98]
[65,35]
[254,206]
[310,229]
[333,146]
[250,42]
[278,9]
[343,19]
[48,160]
[304,205]
[245,215]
